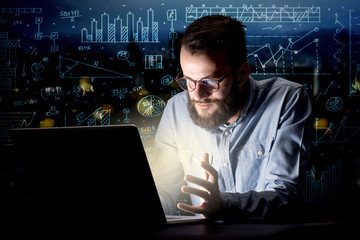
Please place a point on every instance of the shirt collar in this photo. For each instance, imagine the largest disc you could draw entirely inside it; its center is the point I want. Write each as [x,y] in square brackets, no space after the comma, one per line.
[251,88]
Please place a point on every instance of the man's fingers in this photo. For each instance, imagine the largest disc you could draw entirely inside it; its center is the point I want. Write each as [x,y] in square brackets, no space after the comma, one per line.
[198,181]
[208,190]
[195,191]
[206,159]
[210,171]
[188,208]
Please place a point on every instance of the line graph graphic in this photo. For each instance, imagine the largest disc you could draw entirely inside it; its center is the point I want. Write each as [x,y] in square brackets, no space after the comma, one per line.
[70,68]
[341,27]
[265,54]
[353,52]
[324,93]
[260,14]
[273,28]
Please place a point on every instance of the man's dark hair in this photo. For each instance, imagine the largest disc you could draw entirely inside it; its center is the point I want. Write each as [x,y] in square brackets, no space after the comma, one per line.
[217,32]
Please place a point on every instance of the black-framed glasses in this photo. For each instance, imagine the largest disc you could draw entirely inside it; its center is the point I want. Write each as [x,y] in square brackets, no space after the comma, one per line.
[209,85]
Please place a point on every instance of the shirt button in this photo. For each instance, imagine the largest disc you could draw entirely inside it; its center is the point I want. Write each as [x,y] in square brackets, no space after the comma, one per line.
[227,133]
[260,153]
[226,164]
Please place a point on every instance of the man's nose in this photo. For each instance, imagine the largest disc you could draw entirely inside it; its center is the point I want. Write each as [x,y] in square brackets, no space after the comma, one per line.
[200,93]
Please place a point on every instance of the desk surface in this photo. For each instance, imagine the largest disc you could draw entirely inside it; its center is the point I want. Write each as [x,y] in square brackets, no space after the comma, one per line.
[208,231]
[225,231]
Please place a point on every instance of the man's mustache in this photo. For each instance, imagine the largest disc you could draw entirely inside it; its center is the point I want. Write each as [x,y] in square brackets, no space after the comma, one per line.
[206,101]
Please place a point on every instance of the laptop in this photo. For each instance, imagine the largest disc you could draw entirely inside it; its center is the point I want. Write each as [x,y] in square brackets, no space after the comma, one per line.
[95,176]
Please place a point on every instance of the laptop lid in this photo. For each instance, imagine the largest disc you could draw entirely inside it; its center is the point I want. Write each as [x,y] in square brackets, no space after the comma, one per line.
[94,176]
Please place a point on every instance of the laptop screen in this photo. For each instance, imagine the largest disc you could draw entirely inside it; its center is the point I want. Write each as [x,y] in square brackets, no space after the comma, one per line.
[92,175]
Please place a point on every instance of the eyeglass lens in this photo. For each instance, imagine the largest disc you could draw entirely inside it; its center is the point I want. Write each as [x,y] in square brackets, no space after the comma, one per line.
[189,85]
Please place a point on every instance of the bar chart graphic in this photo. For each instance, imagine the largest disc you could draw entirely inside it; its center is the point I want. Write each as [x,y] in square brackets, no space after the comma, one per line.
[325,187]
[122,30]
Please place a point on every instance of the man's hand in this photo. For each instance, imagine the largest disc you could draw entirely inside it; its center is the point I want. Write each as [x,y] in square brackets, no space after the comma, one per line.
[208,191]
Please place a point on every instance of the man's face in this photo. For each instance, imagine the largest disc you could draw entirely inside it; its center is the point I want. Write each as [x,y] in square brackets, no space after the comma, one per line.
[210,109]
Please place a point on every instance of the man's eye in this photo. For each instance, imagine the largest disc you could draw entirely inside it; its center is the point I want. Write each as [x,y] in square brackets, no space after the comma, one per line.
[208,82]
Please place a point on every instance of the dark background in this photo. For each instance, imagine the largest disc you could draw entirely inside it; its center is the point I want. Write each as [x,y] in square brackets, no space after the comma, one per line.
[56,70]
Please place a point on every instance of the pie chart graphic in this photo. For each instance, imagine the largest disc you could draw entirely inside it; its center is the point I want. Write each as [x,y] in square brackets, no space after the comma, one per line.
[151,106]
[334,104]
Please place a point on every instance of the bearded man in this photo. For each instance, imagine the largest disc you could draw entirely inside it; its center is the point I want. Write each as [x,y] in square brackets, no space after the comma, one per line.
[238,146]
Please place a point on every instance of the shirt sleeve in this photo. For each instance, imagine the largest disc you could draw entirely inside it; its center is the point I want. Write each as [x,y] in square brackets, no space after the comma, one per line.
[285,171]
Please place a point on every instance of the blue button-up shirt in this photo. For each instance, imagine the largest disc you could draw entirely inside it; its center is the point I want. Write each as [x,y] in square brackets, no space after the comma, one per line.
[261,157]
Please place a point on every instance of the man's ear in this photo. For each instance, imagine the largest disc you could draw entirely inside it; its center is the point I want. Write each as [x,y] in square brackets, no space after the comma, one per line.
[243,73]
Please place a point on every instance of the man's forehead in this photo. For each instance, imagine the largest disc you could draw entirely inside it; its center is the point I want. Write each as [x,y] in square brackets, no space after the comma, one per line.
[218,55]
[204,64]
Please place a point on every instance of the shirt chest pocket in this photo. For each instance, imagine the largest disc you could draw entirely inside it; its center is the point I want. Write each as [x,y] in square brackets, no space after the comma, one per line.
[252,161]
[191,161]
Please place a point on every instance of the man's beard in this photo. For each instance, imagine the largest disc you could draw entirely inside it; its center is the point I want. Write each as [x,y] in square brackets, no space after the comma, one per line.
[226,108]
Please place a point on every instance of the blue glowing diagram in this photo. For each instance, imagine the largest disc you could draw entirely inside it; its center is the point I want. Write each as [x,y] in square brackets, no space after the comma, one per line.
[53,36]
[153,62]
[8,63]
[121,30]
[171,17]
